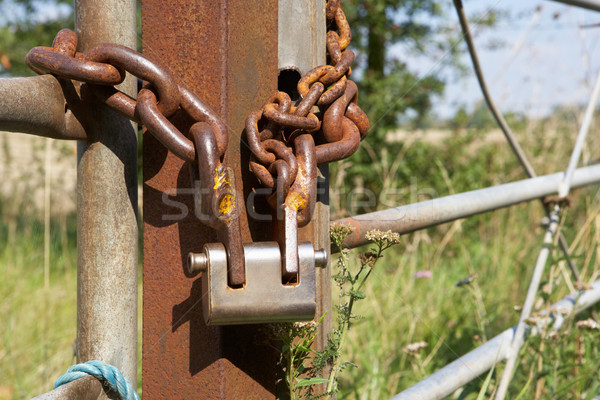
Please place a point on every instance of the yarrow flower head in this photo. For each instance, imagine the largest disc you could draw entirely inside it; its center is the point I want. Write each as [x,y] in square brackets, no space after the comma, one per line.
[587,324]
[412,348]
[383,239]
[338,232]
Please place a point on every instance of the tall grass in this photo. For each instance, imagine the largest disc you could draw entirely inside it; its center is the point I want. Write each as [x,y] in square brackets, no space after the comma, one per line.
[38,320]
[38,279]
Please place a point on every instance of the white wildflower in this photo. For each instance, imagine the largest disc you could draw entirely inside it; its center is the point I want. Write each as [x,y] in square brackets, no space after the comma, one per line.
[414,347]
[587,324]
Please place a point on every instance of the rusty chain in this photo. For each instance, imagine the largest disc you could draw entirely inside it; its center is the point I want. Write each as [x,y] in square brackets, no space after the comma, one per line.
[281,136]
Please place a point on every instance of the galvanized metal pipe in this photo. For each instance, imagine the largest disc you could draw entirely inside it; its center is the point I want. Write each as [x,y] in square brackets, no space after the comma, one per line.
[306,19]
[303,19]
[468,367]
[107,233]
[563,190]
[593,5]
[36,105]
[413,217]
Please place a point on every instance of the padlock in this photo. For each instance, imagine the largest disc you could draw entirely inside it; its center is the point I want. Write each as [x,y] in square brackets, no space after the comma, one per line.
[259,282]
[264,297]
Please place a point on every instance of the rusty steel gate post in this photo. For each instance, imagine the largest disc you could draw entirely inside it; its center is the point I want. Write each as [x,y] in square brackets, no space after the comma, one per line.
[226,52]
[107,206]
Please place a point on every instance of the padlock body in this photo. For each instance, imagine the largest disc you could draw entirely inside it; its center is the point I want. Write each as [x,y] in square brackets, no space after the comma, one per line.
[263,298]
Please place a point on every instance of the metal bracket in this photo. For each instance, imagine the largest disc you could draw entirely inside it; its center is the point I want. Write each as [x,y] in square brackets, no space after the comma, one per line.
[264,298]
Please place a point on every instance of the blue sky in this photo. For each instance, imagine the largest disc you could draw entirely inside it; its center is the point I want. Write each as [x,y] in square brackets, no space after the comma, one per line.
[544,58]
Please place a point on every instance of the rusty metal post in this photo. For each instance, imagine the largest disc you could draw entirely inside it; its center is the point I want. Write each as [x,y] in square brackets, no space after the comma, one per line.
[107,233]
[226,52]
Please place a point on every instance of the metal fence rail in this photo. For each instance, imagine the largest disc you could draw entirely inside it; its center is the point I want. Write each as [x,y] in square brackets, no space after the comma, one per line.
[425,214]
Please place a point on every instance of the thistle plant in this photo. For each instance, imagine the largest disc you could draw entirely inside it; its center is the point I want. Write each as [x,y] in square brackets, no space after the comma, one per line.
[304,366]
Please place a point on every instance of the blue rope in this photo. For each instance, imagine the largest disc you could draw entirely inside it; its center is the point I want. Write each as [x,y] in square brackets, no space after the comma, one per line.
[105,373]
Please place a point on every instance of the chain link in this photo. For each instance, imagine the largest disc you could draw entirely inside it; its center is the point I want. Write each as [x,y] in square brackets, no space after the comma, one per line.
[105,66]
[275,132]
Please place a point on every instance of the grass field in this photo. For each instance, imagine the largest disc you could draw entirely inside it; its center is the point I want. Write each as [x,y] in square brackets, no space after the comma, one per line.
[38,315]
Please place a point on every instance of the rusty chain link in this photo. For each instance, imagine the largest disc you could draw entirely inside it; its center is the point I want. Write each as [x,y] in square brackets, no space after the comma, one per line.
[280,135]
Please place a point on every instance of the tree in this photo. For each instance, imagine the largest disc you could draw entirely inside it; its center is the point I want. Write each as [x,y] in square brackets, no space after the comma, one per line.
[27,27]
[391,90]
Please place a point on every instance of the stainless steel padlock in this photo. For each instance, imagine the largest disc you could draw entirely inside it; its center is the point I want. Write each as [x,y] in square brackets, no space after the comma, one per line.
[264,298]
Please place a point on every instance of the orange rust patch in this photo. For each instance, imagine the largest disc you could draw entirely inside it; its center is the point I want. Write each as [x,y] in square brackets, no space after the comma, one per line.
[295,201]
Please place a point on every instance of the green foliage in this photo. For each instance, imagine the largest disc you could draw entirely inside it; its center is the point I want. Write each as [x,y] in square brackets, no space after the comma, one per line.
[350,284]
[295,340]
[28,29]
[498,250]
[390,90]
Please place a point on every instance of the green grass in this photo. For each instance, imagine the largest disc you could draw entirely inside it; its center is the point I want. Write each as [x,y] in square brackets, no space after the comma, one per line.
[38,324]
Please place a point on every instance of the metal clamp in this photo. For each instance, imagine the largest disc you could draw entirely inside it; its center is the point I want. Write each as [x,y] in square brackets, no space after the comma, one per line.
[264,297]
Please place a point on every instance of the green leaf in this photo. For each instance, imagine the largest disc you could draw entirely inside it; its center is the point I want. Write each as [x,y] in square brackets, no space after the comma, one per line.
[304,348]
[310,381]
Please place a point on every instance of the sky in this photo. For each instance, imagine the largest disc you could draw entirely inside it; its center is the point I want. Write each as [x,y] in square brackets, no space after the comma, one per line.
[536,58]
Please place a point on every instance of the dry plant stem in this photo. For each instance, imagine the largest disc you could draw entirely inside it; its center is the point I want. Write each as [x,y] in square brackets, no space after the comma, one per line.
[47,175]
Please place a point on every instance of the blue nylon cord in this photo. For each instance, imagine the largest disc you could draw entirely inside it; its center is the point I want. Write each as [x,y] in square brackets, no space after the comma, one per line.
[104,372]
